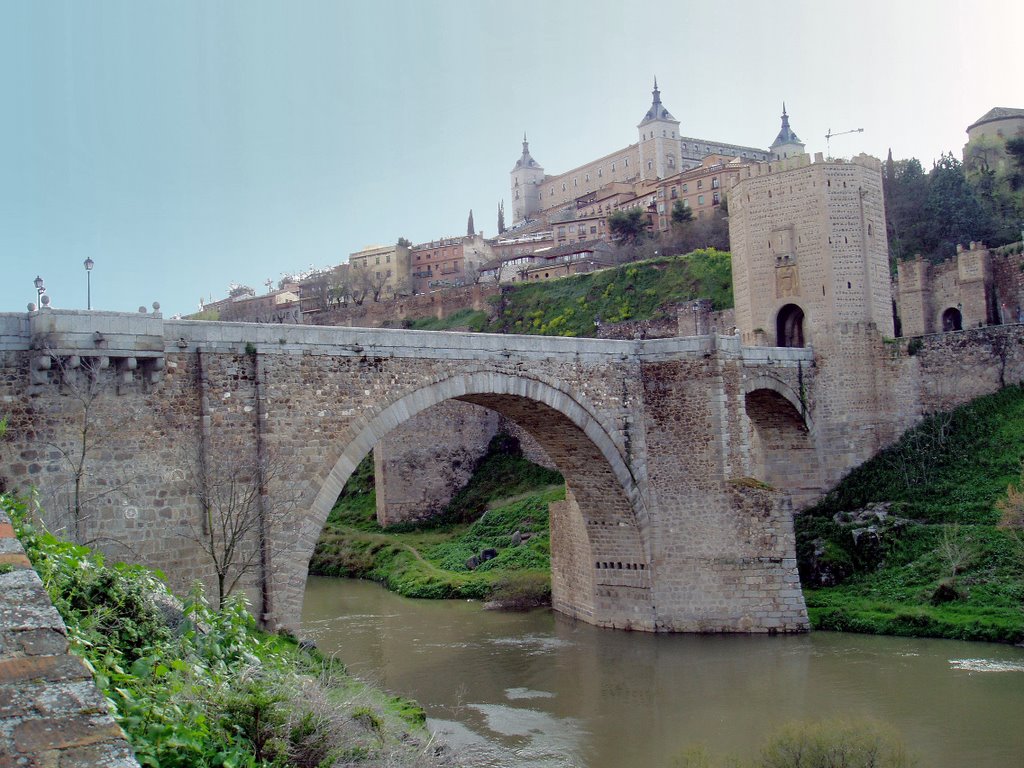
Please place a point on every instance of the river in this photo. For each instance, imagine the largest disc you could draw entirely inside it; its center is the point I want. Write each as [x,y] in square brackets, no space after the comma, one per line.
[537,689]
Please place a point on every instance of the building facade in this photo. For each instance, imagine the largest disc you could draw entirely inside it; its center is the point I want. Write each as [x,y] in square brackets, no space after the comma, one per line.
[381,270]
[660,152]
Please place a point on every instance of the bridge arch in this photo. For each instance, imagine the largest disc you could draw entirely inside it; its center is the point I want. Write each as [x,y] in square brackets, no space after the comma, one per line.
[783,450]
[601,558]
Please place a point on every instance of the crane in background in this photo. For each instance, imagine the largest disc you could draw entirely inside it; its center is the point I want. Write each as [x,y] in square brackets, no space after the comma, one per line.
[829,135]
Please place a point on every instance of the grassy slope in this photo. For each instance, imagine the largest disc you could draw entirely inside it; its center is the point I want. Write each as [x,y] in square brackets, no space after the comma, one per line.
[946,475]
[225,695]
[568,306]
[429,561]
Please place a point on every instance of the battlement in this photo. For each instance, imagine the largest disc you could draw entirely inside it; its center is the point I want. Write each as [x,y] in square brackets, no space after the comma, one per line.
[774,167]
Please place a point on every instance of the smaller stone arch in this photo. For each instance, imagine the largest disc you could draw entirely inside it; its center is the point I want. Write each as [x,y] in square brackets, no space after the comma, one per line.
[789,326]
[952,320]
[783,448]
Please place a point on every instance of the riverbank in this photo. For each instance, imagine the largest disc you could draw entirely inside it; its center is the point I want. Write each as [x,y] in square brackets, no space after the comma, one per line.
[490,543]
[910,542]
[191,686]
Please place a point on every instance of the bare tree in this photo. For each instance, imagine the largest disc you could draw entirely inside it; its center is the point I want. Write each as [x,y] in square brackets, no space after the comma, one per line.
[955,550]
[377,281]
[238,515]
[360,285]
[472,273]
[89,386]
[1011,513]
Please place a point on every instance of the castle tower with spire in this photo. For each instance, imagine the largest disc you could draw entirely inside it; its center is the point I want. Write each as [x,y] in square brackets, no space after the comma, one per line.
[527,176]
[659,140]
[786,144]
[661,153]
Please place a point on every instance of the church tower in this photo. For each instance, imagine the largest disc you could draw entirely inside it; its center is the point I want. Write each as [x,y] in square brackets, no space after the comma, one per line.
[527,176]
[659,140]
[786,144]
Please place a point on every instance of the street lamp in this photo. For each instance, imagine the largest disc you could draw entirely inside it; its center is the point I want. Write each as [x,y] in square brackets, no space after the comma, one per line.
[40,290]
[88,283]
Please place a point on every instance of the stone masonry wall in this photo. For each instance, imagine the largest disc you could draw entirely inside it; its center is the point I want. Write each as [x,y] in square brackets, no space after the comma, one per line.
[390,314]
[423,463]
[51,713]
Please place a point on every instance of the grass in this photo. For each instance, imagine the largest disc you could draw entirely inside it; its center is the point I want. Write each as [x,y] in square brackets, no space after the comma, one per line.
[946,570]
[506,494]
[469,319]
[569,306]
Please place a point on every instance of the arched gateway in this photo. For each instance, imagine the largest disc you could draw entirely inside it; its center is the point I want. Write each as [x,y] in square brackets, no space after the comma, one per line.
[602,524]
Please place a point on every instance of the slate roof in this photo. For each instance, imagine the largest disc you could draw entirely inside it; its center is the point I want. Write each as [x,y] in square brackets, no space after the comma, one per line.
[657,110]
[786,135]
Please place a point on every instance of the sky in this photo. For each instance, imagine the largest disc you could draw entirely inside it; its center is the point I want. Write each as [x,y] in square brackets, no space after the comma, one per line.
[184,145]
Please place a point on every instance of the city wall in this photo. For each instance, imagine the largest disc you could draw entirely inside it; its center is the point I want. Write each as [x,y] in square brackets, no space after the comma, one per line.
[390,314]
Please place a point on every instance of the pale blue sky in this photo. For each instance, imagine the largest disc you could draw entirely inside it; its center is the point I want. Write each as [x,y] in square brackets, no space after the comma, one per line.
[183,145]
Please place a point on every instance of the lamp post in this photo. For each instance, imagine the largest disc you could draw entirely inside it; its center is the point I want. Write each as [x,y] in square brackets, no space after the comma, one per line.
[40,290]
[89,263]
[696,309]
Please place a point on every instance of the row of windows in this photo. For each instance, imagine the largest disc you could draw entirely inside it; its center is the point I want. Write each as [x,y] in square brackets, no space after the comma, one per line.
[644,136]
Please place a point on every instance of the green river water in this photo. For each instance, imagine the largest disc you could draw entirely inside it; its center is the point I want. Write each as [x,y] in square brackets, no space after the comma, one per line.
[537,689]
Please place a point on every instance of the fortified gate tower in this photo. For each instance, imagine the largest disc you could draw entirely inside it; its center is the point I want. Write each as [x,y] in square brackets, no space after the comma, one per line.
[809,249]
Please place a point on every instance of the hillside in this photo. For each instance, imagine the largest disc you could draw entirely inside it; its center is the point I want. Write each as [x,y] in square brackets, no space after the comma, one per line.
[642,290]
[933,563]
[507,494]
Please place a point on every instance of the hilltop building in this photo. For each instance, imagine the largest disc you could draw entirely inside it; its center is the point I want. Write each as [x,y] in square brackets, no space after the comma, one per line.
[447,262]
[660,152]
[382,269]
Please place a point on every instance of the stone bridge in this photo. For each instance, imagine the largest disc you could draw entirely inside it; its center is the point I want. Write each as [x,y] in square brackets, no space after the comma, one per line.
[136,430]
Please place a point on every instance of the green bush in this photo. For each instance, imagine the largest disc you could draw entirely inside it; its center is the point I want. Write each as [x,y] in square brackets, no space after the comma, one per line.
[215,692]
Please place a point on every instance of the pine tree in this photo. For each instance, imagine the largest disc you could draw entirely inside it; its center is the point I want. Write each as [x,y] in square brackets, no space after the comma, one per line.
[470,229]
[501,217]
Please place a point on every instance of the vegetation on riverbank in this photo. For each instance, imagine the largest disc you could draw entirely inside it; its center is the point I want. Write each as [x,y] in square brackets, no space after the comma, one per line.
[507,494]
[196,687]
[817,744]
[570,306]
[938,565]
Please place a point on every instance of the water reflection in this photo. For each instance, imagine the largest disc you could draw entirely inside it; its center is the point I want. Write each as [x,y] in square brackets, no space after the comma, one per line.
[537,689]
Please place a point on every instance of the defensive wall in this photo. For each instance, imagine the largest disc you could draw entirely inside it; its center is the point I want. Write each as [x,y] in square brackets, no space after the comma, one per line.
[438,304]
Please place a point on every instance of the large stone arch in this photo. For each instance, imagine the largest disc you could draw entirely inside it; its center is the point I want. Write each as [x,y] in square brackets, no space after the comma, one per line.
[783,445]
[601,558]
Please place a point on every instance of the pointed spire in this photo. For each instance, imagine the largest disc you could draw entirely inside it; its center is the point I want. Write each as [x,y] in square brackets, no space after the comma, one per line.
[525,161]
[657,110]
[786,135]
